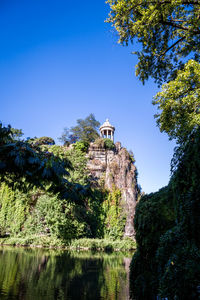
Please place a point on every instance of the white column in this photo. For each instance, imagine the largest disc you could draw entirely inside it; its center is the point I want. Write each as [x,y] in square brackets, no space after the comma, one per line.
[112,138]
[107,134]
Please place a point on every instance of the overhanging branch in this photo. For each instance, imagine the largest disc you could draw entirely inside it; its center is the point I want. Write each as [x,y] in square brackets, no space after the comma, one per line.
[172,46]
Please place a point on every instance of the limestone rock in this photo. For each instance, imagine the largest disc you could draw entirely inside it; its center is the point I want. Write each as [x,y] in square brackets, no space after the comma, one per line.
[115,168]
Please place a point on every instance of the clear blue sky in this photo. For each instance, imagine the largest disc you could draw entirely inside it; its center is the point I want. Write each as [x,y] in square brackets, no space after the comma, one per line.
[59,61]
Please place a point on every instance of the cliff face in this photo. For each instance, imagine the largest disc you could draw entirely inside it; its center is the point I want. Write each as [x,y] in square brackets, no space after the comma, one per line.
[115,168]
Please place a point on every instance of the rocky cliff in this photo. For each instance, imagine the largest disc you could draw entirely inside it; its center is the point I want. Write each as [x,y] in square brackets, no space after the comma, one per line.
[115,168]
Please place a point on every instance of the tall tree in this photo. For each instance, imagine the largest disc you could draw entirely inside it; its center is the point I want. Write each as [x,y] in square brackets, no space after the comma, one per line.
[167,30]
[86,130]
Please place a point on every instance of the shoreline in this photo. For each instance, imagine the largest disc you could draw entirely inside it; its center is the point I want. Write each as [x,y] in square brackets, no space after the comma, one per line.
[84,244]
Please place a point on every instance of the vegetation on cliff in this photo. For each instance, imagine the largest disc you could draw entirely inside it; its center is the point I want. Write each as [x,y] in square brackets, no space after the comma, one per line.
[60,204]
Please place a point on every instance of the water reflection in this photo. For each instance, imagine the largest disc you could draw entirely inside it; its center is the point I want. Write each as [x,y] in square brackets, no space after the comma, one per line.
[48,274]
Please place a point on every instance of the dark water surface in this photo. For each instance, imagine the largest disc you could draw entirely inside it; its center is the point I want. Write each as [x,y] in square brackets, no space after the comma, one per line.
[55,274]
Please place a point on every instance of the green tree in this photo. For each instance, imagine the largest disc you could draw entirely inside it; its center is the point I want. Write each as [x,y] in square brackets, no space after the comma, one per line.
[26,166]
[44,140]
[16,133]
[179,103]
[168,32]
[86,130]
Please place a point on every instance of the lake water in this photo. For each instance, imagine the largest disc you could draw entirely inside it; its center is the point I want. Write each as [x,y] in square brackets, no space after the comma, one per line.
[39,274]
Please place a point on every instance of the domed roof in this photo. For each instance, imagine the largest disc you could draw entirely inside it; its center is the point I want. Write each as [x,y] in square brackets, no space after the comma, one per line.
[107,124]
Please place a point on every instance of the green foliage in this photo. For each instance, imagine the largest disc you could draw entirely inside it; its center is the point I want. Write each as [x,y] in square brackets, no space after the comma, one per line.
[179,103]
[86,130]
[167,232]
[44,140]
[103,244]
[57,151]
[16,133]
[81,146]
[108,144]
[23,166]
[5,135]
[186,185]
[131,155]
[46,219]
[154,216]
[105,143]
[168,33]
[75,157]
[115,217]
[79,173]
[55,217]
[99,142]
[95,213]
[46,188]
[178,260]
[13,210]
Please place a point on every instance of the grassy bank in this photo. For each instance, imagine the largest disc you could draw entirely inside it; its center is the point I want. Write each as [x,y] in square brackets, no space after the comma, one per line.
[78,244]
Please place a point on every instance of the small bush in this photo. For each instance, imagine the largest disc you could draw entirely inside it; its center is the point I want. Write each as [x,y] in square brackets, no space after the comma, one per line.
[99,143]
[82,146]
[106,245]
[105,144]
[108,144]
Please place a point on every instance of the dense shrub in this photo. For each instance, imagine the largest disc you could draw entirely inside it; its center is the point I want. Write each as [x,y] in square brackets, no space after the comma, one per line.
[167,227]
[55,217]
[178,261]
[13,210]
[82,146]
[115,218]
[154,216]
[108,144]
[105,143]
[45,140]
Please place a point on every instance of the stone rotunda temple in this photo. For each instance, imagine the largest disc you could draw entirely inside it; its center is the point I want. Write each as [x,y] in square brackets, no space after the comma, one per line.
[107,130]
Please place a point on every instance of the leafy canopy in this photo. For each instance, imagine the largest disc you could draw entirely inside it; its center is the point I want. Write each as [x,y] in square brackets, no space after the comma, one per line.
[86,130]
[179,103]
[168,32]
[24,166]
[44,140]
[16,133]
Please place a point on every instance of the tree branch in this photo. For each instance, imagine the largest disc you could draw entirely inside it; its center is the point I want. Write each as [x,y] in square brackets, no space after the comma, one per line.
[180,40]
[197,2]
[178,26]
